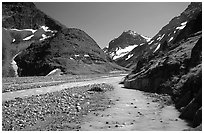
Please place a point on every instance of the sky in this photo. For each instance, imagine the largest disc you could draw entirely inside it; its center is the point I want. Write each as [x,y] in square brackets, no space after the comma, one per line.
[104,21]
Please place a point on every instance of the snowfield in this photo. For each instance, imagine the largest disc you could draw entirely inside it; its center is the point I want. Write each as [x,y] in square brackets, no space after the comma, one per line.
[122,52]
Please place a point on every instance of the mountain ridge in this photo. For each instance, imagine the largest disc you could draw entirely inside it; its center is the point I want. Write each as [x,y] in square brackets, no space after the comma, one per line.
[50,45]
[171,64]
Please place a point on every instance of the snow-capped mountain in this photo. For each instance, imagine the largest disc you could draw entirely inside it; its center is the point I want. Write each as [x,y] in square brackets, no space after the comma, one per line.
[35,44]
[125,43]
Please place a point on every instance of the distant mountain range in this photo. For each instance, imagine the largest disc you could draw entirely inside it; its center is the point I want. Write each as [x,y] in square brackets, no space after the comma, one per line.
[34,44]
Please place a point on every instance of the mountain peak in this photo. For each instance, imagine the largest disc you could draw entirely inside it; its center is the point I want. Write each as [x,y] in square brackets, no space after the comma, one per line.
[131,32]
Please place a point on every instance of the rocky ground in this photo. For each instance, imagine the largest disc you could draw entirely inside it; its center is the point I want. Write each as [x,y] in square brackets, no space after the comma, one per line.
[61,110]
[97,104]
[21,83]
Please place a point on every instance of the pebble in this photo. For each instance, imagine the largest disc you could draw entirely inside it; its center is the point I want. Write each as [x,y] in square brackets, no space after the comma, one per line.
[139,113]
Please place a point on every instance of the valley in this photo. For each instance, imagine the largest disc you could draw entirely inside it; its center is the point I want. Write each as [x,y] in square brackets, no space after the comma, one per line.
[114,108]
[57,77]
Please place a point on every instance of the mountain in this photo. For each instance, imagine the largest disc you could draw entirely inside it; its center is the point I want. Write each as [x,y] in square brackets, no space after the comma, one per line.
[166,38]
[34,44]
[122,45]
[171,63]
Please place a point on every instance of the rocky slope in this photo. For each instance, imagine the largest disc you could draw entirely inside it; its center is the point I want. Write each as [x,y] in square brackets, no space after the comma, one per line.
[122,45]
[171,63]
[35,44]
[166,38]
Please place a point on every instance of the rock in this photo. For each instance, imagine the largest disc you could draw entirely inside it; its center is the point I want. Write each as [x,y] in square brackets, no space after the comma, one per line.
[197,120]
[196,54]
[184,100]
[191,109]
[96,89]
[139,84]
[198,128]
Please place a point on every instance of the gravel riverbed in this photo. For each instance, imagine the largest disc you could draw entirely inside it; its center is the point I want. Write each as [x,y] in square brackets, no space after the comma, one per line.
[61,110]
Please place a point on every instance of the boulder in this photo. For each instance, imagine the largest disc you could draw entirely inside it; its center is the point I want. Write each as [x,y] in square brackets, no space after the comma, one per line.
[197,120]
[187,97]
[189,112]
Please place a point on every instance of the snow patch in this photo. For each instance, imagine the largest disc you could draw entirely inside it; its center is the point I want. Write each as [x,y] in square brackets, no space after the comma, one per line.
[147,38]
[44,37]
[184,23]
[46,29]
[160,37]
[142,44]
[182,26]
[13,40]
[151,42]
[121,52]
[28,38]
[129,56]
[171,39]
[14,65]
[71,58]
[32,30]
[56,71]
[86,55]
[76,55]
[158,46]
[132,32]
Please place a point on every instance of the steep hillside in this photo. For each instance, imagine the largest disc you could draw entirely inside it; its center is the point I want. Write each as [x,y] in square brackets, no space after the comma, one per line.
[166,38]
[172,64]
[70,50]
[122,45]
[35,44]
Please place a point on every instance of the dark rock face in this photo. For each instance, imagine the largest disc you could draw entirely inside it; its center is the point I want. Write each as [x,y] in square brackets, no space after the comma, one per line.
[50,45]
[25,15]
[175,68]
